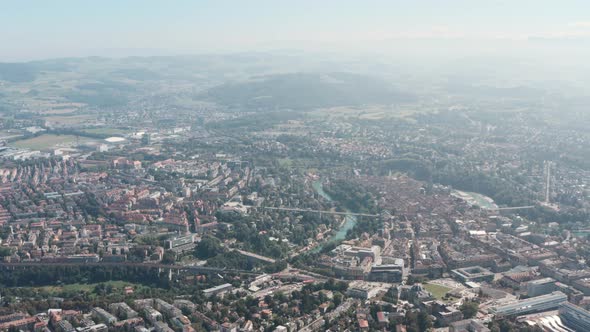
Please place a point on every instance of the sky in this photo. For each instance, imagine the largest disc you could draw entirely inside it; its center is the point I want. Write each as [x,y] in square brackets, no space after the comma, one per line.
[36,29]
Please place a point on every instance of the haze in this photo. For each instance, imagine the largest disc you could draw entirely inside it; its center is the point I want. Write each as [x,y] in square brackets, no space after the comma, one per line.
[45,29]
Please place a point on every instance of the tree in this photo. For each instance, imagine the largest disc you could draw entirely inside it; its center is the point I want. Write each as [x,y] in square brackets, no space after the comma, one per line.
[208,247]
[338,298]
[424,321]
[469,309]
[5,251]
[169,257]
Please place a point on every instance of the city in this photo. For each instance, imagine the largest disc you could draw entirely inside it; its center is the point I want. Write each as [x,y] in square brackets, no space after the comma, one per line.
[278,191]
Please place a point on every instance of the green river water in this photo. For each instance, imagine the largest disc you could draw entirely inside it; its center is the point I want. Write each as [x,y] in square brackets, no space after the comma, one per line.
[349,222]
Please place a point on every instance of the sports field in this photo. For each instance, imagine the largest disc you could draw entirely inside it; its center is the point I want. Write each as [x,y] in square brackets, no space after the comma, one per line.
[106,131]
[49,141]
[437,291]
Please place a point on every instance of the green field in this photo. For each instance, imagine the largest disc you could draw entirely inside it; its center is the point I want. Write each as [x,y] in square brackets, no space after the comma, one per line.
[106,131]
[82,288]
[59,111]
[91,290]
[367,113]
[69,120]
[285,162]
[437,291]
[48,142]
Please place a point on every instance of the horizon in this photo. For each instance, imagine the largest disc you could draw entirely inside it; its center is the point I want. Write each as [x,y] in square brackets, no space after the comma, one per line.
[36,30]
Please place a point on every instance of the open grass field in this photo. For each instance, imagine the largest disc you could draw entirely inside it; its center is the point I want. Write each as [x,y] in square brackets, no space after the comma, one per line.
[285,162]
[82,288]
[68,120]
[366,113]
[10,134]
[437,291]
[114,287]
[106,131]
[59,111]
[48,142]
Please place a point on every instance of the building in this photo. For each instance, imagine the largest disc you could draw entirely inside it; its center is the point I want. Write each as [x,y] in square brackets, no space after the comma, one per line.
[474,274]
[447,315]
[162,327]
[122,310]
[25,323]
[184,305]
[142,303]
[93,328]
[12,317]
[128,324]
[574,316]
[102,148]
[103,316]
[535,304]
[388,272]
[166,308]
[415,294]
[540,287]
[152,315]
[583,285]
[228,327]
[182,242]
[281,328]
[179,322]
[383,319]
[363,291]
[573,295]
[64,326]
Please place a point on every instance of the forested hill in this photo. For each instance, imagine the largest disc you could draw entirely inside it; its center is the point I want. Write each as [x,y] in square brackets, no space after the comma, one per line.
[305,91]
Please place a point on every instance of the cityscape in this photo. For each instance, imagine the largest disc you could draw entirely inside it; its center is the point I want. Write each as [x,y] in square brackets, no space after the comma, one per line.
[283,190]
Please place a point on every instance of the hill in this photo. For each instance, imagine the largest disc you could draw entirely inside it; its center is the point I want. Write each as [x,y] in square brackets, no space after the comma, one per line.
[305,91]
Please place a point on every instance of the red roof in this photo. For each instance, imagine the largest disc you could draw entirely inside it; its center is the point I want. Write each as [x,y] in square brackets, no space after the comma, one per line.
[363,324]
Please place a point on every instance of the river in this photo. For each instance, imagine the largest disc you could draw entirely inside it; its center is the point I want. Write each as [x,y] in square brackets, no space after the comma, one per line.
[349,221]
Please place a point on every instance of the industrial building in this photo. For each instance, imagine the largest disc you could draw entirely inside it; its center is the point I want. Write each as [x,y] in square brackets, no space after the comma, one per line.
[574,317]
[388,272]
[540,287]
[535,304]
[473,274]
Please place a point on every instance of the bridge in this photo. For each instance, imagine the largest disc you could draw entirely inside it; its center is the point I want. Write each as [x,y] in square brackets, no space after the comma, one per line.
[169,267]
[321,211]
[514,208]
[256,256]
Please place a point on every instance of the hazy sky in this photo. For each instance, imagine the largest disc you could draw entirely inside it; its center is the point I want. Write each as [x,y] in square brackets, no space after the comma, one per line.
[49,28]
